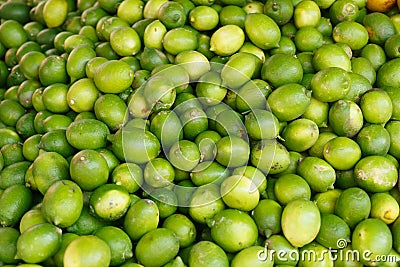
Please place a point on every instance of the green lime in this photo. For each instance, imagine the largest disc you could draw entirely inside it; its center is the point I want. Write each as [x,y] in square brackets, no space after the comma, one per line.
[301,221]
[238,225]
[343,10]
[62,203]
[118,241]
[379,26]
[47,238]
[141,218]
[319,174]
[373,139]
[111,110]
[97,252]
[345,118]
[12,34]
[280,11]
[306,13]
[82,94]
[292,94]
[31,218]
[376,173]
[128,175]
[232,14]
[342,153]
[384,207]
[351,33]
[381,100]
[158,172]
[353,206]
[281,69]
[9,237]
[113,70]
[89,169]
[333,231]
[87,134]
[374,236]
[87,222]
[14,202]
[326,201]
[264,39]
[290,187]
[267,216]
[330,84]
[162,241]
[48,168]
[14,174]
[331,55]
[300,135]
[204,202]
[55,98]
[183,228]
[239,192]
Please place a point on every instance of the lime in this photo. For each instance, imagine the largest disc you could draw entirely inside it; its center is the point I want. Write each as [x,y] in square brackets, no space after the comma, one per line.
[9,237]
[292,94]
[264,39]
[308,39]
[330,84]
[306,13]
[14,202]
[318,173]
[342,153]
[89,169]
[240,193]
[326,201]
[106,75]
[48,168]
[379,26]
[301,221]
[343,10]
[141,218]
[162,241]
[47,238]
[345,118]
[380,99]
[31,218]
[87,134]
[375,54]
[351,33]
[183,228]
[384,207]
[81,95]
[130,10]
[53,70]
[12,34]
[97,253]
[274,67]
[353,206]
[125,41]
[372,235]
[207,253]
[289,187]
[319,252]
[54,98]
[158,172]
[373,139]
[376,173]
[331,55]
[280,11]
[251,257]
[205,202]
[300,135]
[128,175]
[333,230]
[238,225]
[118,241]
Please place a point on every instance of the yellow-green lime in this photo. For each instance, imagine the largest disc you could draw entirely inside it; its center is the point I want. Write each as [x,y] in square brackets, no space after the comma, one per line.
[55,98]
[384,207]
[97,252]
[82,95]
[131,10]
[125,41]
[264,39]
[289,187]
[203,18]
[87,134]
[62,203]
[118,241]
[77,60]
[306,13]
[47,238]
[48,168]
[8,243]
[227,40]
[31,218]
[55,12]
[113,76]
[240,193]
[326,201]
[12,34]
[14,202]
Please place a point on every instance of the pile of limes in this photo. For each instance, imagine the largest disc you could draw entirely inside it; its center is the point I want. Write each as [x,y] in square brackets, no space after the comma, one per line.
[199,133]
